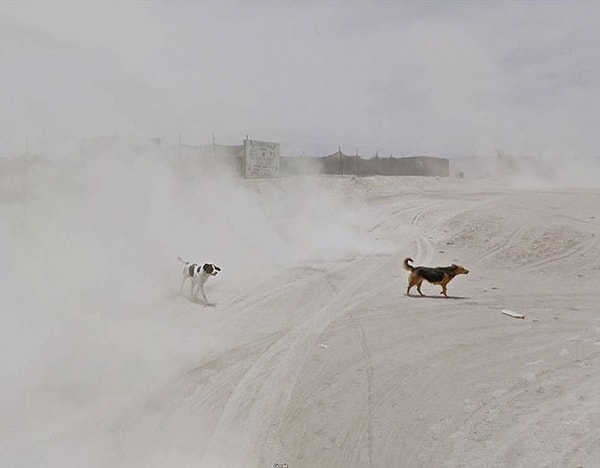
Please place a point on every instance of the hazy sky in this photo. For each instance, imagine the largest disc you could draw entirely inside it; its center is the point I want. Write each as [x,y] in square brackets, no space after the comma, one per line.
[439,78]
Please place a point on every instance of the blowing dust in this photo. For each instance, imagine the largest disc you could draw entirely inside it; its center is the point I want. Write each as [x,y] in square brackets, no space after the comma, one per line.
[90,278]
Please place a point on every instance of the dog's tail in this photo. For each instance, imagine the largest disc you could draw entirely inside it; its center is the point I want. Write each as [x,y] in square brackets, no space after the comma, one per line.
[407,266]
[182,260]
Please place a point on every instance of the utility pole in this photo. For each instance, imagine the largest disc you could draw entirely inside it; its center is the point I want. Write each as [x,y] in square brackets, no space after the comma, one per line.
[214,151]
[25,168]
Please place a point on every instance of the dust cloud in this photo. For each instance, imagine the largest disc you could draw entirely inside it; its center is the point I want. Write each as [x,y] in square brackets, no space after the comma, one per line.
[91,311]
[528,172]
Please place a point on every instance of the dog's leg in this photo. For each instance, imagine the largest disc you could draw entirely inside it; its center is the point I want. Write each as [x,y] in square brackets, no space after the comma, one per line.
[443,284]
[181,287]
[419,283]
[412,280]
[201,288]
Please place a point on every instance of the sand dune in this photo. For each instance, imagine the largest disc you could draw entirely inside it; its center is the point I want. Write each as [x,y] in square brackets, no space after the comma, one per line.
[313,356]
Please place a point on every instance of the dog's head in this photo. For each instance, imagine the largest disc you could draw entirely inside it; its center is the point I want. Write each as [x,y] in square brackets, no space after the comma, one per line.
[211,269]
[459,270]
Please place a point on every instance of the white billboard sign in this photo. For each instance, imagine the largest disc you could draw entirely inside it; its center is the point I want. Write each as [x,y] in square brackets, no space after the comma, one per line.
[261,159]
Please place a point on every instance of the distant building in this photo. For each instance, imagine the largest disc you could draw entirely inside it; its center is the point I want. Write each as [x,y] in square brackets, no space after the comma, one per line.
[253,159]
[119,146]
[343,164]
[204,153]
[426,166]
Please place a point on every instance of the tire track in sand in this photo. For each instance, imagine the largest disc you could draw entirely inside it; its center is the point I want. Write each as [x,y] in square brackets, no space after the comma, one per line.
[581,249]
[253,410]
[360,332]
[264,390]
[500,246]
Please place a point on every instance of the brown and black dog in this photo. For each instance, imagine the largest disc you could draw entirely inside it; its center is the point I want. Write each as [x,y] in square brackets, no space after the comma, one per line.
[435,275]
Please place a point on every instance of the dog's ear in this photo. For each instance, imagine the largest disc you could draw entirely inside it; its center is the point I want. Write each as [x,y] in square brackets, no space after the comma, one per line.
[208,268]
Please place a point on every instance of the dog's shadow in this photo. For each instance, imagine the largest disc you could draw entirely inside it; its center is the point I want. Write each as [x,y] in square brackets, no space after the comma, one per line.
[202,303]
[435,297]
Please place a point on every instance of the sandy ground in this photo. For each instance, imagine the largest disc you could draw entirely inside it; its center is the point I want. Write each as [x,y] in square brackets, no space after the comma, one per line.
[313,355]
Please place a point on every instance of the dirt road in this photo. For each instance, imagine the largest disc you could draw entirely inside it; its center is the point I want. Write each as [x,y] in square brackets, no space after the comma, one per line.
[325,362]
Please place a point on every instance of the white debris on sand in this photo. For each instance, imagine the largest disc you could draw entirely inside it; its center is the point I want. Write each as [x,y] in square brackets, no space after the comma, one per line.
[512,313]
